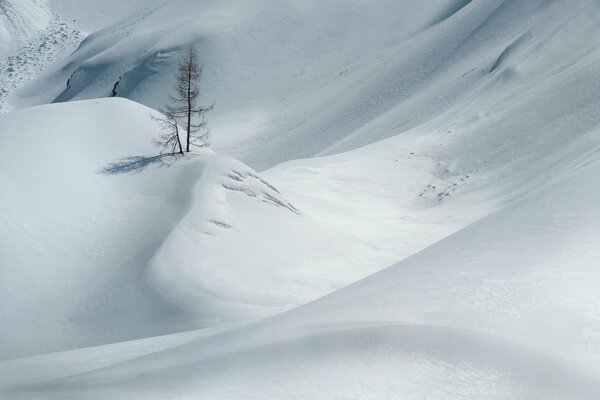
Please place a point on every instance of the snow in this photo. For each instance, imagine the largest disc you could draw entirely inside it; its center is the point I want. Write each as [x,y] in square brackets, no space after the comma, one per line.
[401,202]
[296,58]
[32,58]
[523,326]
[20,21]
[198,220]
[64,221]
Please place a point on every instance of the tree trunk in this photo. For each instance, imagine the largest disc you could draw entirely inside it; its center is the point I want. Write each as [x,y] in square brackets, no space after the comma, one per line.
[178,139]
[189,104]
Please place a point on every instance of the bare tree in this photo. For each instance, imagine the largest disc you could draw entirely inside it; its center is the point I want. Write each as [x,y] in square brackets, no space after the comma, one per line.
[184,108]
[168,140]
[185,102]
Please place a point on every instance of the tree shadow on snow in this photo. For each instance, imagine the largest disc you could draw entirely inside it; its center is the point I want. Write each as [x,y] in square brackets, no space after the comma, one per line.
[136,164]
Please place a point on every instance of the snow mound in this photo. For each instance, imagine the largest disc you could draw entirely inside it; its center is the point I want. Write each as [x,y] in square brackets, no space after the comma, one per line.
[503,309]
[75,239]
[440,242]
[105,241]
[84,206]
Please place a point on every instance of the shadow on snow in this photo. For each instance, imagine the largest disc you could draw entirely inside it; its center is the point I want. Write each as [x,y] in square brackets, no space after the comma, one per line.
[136,164]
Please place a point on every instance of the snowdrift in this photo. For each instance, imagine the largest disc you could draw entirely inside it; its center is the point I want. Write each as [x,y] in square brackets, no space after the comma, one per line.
[85,204]
[439,240]
[105,241]
[503,309]
[79,225]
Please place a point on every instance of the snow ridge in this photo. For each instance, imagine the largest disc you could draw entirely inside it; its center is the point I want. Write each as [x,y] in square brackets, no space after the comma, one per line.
[438,240]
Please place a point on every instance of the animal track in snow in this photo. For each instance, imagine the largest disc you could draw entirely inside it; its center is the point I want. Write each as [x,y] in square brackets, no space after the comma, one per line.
[440,192]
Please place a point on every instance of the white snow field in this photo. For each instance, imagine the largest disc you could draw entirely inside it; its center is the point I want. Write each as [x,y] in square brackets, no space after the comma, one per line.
[401,201]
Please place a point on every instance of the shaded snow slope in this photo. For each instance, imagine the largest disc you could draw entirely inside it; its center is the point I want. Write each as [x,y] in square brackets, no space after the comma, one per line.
[293,81]
[504,309]
[267,65]
[75,238]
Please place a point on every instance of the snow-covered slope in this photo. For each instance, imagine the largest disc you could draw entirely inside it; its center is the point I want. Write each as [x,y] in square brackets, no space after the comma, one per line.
[82,218]
[442,225]
[268,65]
[98,226]
[20,21]
[294,80]
[89,16]
[504,309]
[74,239]
[32,39]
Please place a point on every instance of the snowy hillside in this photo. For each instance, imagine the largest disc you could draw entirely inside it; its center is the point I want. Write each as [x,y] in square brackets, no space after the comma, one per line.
[524,326]
[19,22]
[401,201]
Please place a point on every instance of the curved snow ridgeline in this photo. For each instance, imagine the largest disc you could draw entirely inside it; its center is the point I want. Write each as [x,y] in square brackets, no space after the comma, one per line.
[414,214]
[85,205]
[79,225]
[104,241]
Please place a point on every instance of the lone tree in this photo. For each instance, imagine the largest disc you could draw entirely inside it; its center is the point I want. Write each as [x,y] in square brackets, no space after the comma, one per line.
[184,108]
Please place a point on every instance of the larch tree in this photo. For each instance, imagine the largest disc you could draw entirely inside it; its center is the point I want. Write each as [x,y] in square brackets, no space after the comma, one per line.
[184,109]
